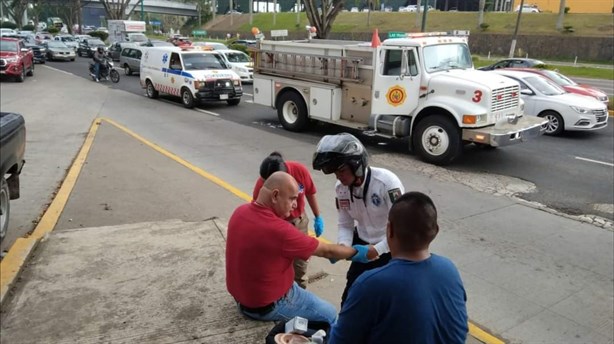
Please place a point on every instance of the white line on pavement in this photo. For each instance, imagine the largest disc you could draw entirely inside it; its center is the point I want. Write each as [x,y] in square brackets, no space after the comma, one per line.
[208,112]
[59,70]
[249,101]
[596,161]
[248,94]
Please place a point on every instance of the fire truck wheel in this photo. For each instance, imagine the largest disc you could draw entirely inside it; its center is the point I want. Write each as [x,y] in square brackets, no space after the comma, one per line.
[292,112]
[437,140]
[187,98]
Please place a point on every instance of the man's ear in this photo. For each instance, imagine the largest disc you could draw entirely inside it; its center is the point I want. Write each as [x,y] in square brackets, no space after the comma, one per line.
[274,195]
[389,230]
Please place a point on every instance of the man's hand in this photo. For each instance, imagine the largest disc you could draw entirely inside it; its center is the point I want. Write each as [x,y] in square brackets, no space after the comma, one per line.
[318,225]
[361,254]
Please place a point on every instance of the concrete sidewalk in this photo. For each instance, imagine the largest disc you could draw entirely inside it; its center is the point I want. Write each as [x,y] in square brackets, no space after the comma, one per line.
[115,269]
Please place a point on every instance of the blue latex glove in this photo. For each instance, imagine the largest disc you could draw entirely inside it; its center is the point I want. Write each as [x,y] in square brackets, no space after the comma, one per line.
[361,255]
[318,226]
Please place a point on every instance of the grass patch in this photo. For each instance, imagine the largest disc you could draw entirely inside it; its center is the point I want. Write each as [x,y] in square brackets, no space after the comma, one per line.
[600,25]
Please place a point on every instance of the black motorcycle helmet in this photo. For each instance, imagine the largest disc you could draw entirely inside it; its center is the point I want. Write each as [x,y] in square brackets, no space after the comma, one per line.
[334,151]
[100,50]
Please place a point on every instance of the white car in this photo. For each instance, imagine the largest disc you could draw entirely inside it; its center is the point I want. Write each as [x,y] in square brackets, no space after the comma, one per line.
[69,40]
[564,111]
[241,64]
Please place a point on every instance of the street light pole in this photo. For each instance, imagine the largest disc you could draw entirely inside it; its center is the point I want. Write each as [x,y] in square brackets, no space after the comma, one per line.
[513,47]
[142,10]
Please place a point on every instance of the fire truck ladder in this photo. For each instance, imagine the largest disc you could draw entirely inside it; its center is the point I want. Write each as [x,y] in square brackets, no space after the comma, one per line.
[307,66]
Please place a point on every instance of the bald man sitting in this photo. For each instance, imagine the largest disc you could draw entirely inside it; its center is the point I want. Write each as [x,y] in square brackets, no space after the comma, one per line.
[260,251]
[416,298]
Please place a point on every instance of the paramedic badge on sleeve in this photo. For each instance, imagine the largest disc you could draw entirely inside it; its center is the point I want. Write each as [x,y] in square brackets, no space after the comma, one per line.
[394,194]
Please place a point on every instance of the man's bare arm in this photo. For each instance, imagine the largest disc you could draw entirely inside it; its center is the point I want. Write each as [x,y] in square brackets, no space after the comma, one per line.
[334,251]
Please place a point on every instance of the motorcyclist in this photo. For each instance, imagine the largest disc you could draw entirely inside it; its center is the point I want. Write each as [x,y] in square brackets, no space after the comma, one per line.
[99,57]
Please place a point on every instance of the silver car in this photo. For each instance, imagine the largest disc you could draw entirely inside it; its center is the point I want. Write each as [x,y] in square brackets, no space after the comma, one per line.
[130,60]
[69,40]
[57,50]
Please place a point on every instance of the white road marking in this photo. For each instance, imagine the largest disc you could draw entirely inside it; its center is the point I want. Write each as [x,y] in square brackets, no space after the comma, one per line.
[58,70]
[248,94]
[596,161]
[249,101]
[207,112]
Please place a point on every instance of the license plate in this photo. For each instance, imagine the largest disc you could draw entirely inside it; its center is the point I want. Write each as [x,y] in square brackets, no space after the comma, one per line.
[223,96]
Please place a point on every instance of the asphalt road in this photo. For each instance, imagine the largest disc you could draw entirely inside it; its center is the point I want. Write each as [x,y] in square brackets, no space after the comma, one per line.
[573,173]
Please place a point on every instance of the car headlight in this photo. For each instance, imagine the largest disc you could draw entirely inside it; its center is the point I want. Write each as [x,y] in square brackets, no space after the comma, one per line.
[243,70]
[236,82]
[580,109]
[12,59]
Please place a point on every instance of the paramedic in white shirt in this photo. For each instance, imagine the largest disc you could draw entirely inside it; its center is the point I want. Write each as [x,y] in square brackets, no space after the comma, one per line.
[364,195]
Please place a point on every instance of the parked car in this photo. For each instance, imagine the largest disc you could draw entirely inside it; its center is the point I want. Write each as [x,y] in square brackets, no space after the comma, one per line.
[69,40]
[563,110]
[12,149]
[130,60]
[156,43]
[250,43]
[514,63]
[88,46]
[241,64]
[354,10]
[56,50]
[212,45]
[568,84]
[16,60]
[116,48]
[38,52]
[42,37]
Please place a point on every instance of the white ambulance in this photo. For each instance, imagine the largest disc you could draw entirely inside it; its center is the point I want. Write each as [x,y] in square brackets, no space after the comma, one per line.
[192,73]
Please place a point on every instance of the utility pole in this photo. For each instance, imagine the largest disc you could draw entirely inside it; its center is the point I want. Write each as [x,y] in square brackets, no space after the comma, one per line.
[251,12]
[298,12]
[513,47]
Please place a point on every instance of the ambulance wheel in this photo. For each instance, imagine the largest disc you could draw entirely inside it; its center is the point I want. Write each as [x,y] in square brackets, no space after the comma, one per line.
[292,112]
[187,99]
[233,101]
[437,140]
[151,90]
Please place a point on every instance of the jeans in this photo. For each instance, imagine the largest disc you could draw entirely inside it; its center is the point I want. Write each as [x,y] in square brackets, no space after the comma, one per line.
[298,302]
[97,70]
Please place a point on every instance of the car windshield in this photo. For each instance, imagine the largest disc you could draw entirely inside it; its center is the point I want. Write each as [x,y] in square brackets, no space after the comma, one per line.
[56,44]
[203,61]
[67,39]
[560,79]
[446,57]
[544,86]
[214,46]
[238,57]
[138,37]
[95,42]
[8,46]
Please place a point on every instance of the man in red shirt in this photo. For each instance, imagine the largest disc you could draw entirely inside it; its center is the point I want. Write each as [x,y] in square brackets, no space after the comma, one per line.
[260,249]
[307,190]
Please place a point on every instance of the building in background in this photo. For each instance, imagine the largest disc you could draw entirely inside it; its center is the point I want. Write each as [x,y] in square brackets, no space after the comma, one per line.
[575,6]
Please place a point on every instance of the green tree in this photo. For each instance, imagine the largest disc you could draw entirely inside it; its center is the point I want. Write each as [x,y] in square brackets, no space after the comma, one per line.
[15,10]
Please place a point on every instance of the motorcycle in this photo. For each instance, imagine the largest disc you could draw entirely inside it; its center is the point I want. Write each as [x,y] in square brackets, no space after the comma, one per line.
[107,70]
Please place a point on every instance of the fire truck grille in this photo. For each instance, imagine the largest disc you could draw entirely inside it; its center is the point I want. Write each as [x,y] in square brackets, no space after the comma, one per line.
[505,98]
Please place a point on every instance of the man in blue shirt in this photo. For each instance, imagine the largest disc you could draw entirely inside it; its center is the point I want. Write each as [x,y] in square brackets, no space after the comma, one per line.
[416,298]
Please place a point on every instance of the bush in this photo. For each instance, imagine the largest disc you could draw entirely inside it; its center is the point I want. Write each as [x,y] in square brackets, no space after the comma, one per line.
[100,34]
[8,25]
[568,29]
[28,28]
[567,9]
[236,46]
[484,26]
[53,30]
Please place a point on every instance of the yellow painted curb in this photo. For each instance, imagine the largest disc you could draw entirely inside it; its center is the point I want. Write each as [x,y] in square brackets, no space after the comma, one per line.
[482,335]
[611,113]
[11,264]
